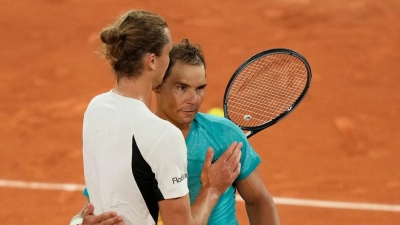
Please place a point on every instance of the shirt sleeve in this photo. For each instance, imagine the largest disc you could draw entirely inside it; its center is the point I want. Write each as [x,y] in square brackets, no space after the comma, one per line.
[168,161]
[250,159]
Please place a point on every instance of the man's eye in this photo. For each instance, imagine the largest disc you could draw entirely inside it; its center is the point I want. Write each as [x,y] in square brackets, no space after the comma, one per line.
[182,87]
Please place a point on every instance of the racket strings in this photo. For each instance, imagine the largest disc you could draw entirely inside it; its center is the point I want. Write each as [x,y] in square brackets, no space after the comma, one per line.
[260,109]
[266,88]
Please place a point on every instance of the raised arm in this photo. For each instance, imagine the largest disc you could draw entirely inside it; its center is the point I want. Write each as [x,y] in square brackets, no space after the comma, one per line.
[260,206]
[216,178]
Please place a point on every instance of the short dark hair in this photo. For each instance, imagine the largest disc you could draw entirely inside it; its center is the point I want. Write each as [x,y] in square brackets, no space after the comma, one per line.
[133,35]
[186,53]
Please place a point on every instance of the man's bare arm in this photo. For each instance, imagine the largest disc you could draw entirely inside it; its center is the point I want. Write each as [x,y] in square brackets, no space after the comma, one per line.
[260,206]
[216,178]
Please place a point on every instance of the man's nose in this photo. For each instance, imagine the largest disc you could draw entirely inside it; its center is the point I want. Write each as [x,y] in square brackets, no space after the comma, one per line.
[193,97]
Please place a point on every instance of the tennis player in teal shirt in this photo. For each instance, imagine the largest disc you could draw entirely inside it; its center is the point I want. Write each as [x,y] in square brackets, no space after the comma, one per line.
[208,130]
[178,101]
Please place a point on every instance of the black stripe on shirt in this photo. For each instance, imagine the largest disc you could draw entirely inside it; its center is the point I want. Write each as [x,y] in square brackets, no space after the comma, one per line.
[146,181]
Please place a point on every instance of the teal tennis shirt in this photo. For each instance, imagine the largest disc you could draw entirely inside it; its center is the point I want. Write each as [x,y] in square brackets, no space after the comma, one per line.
[219,133]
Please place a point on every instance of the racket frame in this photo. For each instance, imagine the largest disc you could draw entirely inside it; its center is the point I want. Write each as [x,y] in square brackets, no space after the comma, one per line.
[253,130]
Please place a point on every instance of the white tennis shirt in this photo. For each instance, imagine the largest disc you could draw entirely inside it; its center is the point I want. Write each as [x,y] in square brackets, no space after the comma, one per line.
[132,158]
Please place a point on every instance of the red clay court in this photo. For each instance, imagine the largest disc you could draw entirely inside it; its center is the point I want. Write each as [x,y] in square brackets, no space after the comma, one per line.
[340,148]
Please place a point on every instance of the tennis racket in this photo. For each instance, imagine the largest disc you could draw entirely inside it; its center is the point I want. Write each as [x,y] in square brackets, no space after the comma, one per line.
[266,88]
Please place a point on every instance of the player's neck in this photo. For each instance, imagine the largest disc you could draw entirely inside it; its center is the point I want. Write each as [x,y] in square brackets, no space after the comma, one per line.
[139,89]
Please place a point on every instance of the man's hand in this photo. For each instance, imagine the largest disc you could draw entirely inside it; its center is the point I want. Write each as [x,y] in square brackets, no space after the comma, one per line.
[221,174]
[108,218]
[215,178]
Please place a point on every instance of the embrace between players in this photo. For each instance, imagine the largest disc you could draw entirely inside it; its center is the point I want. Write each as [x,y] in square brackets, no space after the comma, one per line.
[176,163]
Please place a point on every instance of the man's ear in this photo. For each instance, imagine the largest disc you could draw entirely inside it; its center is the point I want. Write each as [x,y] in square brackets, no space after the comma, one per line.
[157,89]
[150,61]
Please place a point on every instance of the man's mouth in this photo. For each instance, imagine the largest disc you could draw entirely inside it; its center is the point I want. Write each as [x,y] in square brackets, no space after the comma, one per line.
[189,112]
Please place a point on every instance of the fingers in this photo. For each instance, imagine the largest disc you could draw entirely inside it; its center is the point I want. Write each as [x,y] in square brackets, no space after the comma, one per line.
[237,171]
[231,149]
[209,157]
[109,216]
[116,220]
[231,157]
[234,159]
[89,210]
[207,166]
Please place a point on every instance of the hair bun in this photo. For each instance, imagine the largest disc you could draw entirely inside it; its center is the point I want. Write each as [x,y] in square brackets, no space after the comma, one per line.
[111,35]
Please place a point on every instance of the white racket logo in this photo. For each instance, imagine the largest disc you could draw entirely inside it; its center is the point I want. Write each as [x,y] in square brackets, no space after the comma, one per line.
[247,117]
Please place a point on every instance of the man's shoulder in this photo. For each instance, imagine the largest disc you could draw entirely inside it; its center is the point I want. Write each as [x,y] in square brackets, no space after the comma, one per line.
[98,98]
[220,127]
[160,128]
[209,120]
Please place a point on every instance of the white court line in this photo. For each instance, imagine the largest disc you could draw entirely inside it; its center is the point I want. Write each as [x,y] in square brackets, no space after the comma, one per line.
[277,200]
[332,204]
[39,185]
